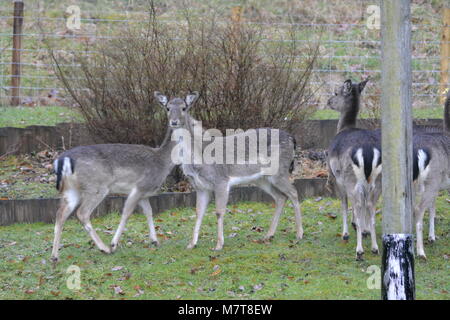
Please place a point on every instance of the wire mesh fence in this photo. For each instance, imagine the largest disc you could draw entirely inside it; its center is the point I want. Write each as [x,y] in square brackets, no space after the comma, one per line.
[347,31]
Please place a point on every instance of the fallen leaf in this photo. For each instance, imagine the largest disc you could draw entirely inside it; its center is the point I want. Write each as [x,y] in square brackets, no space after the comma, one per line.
[331,215]
[216,272]
[117,268]
[257,229]
[258,287]
[117,289]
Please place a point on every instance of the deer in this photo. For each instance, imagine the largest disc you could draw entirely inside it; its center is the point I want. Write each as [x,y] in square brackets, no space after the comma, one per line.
[431,173]
[87,174]
[218,178]
[354,162]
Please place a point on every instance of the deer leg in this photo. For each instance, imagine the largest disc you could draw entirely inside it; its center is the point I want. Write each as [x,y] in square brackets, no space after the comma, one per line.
[373,233]
[147,209]
[359,247]
[203,198]
[90,202]
[426,201]
[66,207]
[373,199]
[419,232]
[285,186]
[344,211]
[280,200]
[358,216]
[221,196]
[431,235]
[128,208]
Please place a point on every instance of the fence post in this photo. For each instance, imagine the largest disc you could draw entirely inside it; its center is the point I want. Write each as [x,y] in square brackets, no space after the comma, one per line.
[396,122]
[17,49]
[445,53]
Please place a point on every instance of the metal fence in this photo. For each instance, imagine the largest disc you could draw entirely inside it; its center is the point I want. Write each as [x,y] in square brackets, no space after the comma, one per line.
[349,44]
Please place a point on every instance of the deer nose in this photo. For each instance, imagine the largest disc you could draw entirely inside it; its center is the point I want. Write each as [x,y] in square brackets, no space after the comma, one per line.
[174,123]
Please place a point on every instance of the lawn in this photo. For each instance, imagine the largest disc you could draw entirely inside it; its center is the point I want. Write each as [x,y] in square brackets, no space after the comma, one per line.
[423,113]
[21,117]
[321,266]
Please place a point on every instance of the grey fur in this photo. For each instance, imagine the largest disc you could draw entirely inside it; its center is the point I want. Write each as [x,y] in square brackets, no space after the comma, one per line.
[218,178]
[363,192]
[434,177]
[135,170]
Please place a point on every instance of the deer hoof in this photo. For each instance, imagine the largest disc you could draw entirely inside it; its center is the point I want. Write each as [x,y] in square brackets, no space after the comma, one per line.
[375,251]
[431,240]
[113,248]
[191,246]
[155,243]
[422,257]
[109,250]
[345,237]
[360,256]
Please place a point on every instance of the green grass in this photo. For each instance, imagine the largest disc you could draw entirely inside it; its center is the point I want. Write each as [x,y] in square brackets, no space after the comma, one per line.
[18,184]
[431,113]
[321,266]
[21,117]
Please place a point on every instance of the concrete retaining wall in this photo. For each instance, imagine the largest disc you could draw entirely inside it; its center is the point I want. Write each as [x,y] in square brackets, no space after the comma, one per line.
[312,134]
[44,210]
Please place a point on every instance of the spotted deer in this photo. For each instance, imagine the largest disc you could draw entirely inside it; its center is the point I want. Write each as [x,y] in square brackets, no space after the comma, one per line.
[218,178]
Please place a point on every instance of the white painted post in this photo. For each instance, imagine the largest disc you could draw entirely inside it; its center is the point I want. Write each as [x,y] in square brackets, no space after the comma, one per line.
[398,258]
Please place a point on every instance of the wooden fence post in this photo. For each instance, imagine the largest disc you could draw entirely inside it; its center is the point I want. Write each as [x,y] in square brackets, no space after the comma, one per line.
[397,277]
[445,53]
[17,49]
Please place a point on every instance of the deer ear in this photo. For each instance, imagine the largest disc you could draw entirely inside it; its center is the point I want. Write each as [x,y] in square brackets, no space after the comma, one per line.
[162,99]
[191,98]
[347,86]
[362,84]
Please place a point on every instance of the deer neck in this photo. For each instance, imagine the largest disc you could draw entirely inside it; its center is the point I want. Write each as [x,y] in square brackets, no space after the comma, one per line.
[165,149]
[348,117]
[193,144]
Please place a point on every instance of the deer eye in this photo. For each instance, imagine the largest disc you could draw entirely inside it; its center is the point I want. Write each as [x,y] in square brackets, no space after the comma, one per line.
[184,109]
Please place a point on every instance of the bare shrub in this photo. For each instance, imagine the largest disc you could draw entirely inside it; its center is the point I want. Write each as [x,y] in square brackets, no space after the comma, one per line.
[244,82]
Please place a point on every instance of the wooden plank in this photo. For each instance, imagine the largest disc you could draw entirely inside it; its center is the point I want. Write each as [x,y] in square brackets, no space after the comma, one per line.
[17,47]
[44,210]
[398,259]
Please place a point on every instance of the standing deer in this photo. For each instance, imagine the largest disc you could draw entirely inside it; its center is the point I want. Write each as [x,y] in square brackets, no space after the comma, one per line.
[354,161]
[219,178]
[431,173]
[87,174]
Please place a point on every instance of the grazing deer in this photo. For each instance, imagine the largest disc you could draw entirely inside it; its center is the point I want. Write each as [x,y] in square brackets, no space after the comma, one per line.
[354,161]
[87,174]
[431,173]
[218,178]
